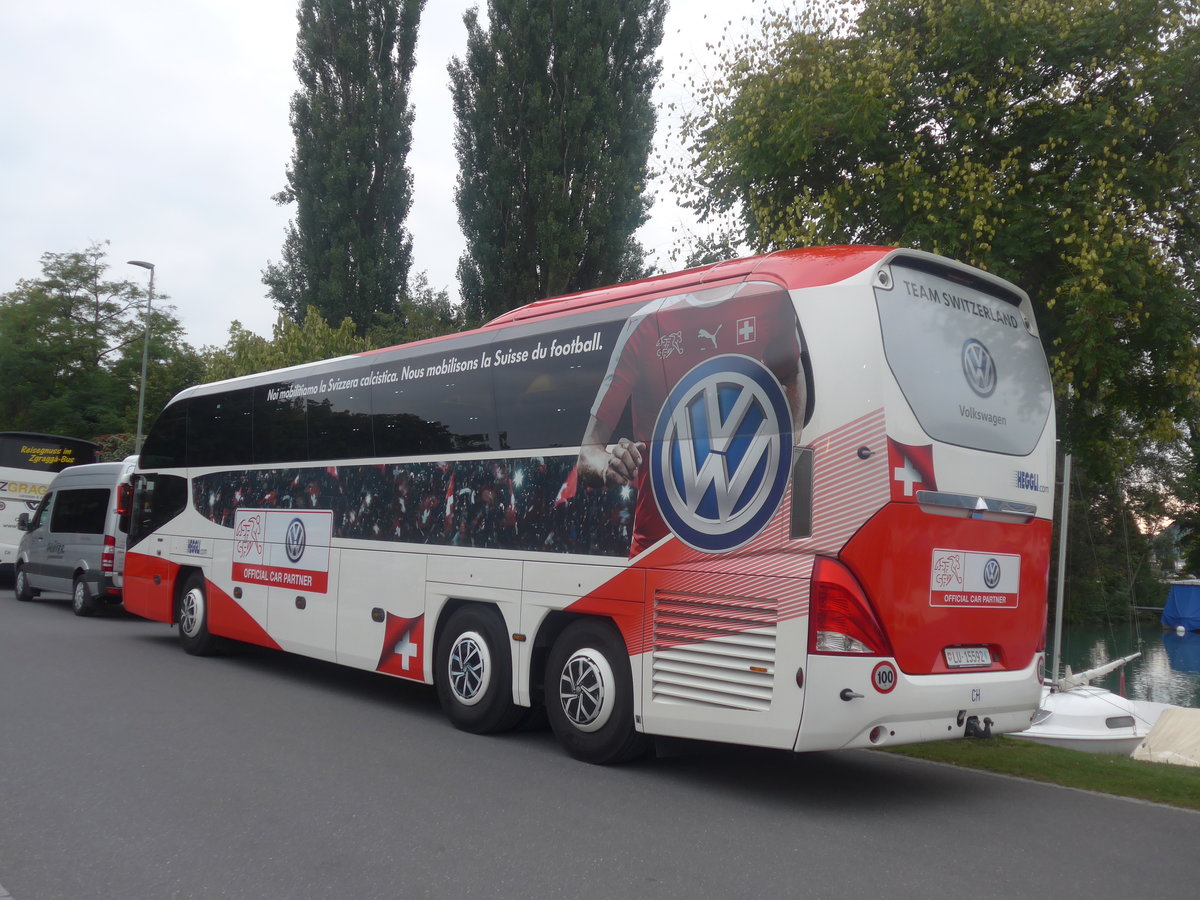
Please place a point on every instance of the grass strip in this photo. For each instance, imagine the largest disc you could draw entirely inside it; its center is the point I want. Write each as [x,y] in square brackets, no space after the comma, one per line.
[1106,773]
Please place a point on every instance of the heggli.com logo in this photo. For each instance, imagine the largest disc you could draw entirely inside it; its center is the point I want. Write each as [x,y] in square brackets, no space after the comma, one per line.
[1030,481]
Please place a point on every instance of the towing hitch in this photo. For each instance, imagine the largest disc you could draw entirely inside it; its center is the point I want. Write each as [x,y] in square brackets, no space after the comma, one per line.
[974,731]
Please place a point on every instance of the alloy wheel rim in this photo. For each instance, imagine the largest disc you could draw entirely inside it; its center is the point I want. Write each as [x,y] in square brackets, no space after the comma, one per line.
[190,609]
[469,668]
[586,690]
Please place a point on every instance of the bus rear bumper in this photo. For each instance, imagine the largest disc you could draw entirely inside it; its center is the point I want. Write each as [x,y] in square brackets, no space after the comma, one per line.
[916,708]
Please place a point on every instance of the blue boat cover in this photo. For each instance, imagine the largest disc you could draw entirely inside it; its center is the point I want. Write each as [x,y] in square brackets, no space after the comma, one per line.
[1183,607]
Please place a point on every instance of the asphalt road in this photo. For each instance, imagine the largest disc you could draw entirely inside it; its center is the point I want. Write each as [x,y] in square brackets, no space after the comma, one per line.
[131,770]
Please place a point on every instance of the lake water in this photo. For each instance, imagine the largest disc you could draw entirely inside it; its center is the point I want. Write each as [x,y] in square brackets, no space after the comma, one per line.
[1168,671]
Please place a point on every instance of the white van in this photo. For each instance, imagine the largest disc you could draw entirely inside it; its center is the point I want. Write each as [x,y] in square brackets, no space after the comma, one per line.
[75,542]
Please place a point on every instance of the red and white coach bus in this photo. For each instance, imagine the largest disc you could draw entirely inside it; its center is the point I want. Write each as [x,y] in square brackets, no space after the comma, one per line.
[796,501]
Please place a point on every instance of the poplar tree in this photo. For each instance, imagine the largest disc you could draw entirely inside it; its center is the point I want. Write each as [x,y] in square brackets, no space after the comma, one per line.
[553,129]
[347,252]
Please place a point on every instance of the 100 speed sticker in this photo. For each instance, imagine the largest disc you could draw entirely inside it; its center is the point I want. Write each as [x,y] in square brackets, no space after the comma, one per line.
[883,677]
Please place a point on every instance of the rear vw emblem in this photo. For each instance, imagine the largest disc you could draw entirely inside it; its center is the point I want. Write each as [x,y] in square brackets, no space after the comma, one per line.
[991,574]
[979,368]
[295,540]
[721,450]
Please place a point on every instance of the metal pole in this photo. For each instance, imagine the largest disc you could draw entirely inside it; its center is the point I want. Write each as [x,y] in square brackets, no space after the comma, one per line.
[1062,567]
[137,446]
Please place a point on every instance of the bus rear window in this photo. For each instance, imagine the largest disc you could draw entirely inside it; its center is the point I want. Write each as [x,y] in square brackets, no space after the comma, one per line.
[966,358]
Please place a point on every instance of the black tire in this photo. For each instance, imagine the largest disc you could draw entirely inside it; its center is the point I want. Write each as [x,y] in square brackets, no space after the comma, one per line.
[21,585]
[82,602]
[589,694]
[473,672]
[192,616]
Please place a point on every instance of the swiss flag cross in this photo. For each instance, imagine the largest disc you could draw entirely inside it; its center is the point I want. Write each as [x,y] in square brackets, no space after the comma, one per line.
[403,647]
[746,330]
[911,470]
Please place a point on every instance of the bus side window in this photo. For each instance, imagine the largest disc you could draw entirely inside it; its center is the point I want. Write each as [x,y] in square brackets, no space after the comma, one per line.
[220,429]
[166,444]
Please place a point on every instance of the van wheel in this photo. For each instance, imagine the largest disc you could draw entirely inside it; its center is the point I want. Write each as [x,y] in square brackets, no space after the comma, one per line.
[192,615]
[473,672]
[589,694]
[81,598]
[21,586]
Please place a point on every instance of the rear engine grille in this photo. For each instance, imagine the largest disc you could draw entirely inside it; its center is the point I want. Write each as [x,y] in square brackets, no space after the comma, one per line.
[714,651]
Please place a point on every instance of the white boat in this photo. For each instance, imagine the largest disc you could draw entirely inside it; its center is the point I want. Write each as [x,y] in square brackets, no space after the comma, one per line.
[1078,716]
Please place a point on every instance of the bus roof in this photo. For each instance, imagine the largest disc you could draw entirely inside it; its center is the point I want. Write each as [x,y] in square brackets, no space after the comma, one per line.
[807,267]
[801,268]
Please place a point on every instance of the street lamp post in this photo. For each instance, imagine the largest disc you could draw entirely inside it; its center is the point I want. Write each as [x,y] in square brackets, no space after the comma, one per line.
[137,447]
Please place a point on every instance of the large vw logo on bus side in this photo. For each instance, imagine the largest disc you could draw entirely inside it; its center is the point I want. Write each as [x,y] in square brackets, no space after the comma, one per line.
[295,540]
[979,367]
[721,451]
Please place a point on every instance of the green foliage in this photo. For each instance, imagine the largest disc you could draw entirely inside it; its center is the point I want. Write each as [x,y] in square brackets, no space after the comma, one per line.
[71,350]
[1108,558]
[554,123]
[424,313]
[347,252]
[1053,143]
[290,345]
[115,447]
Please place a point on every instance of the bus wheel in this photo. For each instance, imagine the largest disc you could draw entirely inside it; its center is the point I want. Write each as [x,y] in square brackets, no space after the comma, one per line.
[21,586]
[473,672]
[81,598]
[589,694]
[192,614]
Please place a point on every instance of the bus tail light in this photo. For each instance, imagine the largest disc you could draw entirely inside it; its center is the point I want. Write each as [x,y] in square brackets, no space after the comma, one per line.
[842,620]
[108,559]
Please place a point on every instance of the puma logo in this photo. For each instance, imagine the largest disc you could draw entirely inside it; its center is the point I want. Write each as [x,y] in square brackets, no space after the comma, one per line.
[711,335]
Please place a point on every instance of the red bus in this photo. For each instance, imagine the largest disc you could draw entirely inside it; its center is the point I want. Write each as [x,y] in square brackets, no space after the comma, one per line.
[797,501]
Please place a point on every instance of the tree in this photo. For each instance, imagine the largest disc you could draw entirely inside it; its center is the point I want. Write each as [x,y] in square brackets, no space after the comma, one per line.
[554,123]
[347,252]
[425,313]
[1051,143]
[71,350]
[290,345]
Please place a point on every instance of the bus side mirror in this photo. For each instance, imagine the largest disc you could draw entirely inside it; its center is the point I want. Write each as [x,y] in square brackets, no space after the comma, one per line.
[23,522]
[124,506]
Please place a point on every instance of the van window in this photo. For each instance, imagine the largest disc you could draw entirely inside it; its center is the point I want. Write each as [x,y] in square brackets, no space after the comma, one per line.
[80,511]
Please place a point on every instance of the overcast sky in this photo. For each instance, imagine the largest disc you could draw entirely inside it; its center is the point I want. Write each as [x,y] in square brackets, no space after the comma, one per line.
[162,127]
